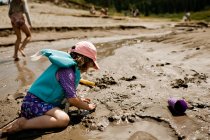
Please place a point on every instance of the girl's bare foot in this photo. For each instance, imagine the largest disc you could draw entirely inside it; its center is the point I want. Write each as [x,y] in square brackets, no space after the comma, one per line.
[15,126]
[22,52]
[16,58]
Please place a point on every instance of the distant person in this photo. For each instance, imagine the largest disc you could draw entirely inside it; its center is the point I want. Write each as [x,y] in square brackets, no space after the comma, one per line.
[40,108]
[92,10]
[16,10]
[187,17]
[136,13]
[104,11]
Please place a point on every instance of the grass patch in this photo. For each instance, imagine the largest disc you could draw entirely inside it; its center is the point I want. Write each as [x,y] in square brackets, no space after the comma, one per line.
[78,1]
[172,17]
[202,15]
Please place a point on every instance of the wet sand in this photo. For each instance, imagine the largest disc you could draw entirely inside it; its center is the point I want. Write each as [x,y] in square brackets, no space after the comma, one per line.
[140,70]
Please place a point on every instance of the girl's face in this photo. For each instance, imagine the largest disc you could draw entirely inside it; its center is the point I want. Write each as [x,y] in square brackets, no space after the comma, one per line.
[84,63]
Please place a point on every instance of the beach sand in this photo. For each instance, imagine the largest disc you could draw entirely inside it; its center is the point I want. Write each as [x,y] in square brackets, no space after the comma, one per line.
[141,68]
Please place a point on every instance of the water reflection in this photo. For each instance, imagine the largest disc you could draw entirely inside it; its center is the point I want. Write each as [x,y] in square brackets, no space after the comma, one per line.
[25,77]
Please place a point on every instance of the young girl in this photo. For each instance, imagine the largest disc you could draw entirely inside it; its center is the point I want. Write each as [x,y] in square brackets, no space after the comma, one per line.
[16,10]
[40,107]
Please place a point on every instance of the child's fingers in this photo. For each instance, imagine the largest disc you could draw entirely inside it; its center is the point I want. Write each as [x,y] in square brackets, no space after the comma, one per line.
[86,100]
[92,106]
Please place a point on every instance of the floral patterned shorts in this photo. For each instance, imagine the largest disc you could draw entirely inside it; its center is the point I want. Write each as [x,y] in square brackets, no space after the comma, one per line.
[32,106]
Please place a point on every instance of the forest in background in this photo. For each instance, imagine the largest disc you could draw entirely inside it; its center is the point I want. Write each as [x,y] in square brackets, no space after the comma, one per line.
[148,7]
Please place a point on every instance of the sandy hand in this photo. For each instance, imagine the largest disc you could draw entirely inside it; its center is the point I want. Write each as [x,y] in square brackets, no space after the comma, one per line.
[87,100]
[92,107]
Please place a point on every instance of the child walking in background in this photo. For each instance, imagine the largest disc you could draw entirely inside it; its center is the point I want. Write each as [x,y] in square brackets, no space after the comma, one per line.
[41,106]
[17,9]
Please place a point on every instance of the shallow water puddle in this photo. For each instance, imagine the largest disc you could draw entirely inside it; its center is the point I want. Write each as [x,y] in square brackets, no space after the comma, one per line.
[143,129]
[185,124]
[15,77]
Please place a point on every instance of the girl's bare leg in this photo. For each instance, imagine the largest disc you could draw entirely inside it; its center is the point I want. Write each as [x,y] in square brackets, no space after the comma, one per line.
[52,119]
[27,32]
[17,42]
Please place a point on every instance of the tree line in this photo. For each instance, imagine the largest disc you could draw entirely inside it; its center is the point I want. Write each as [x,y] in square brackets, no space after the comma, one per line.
[148,7]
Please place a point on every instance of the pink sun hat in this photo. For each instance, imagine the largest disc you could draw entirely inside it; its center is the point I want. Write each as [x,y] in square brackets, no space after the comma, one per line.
[87,49]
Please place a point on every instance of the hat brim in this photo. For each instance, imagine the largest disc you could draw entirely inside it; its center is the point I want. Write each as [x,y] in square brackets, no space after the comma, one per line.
[96,66]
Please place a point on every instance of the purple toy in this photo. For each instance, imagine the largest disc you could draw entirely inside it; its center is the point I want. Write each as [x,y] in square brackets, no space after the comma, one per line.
[179,106]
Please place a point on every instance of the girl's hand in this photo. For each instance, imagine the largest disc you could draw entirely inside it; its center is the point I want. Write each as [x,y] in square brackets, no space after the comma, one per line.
[87,100]
[92,106]
[82,103]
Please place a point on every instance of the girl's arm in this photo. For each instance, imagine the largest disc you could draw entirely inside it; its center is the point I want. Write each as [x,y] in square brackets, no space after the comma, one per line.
[26,10]
[77,102]
[66,78]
